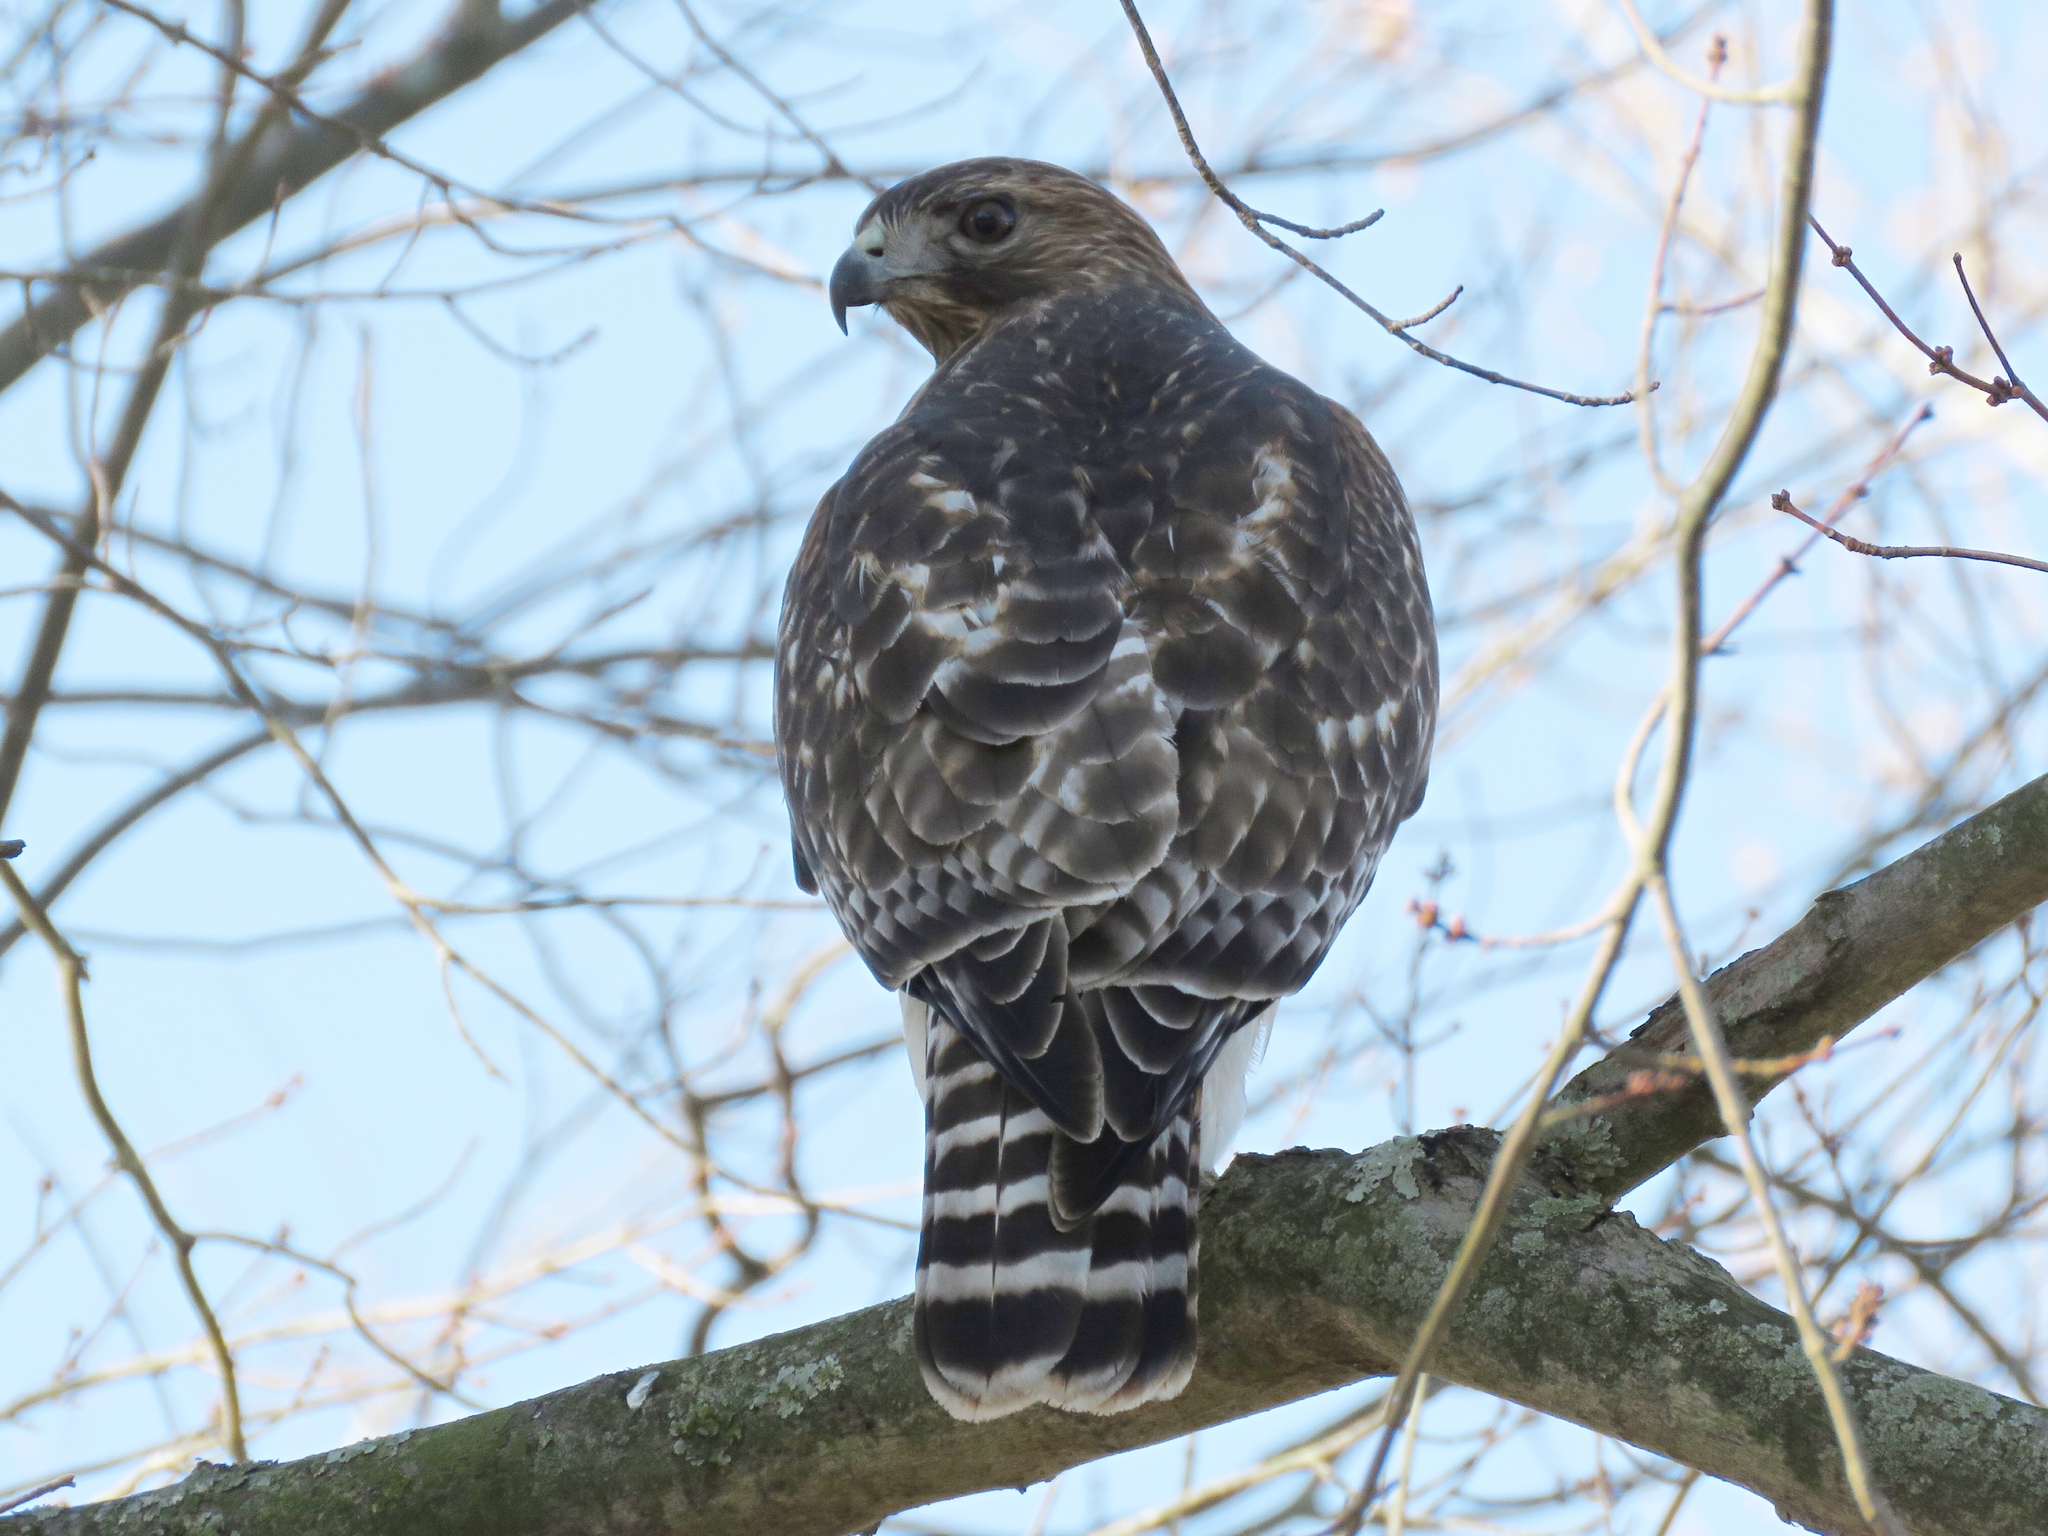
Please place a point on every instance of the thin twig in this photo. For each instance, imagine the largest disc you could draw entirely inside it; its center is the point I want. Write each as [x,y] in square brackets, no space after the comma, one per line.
[1782,501]
[456,55]
[1675,1071]
[1735,1113]
[1397,1503]
[1653,303]
[1685,1486]
[1652,842]
[2012,379]
[1788,564]
[227,163]
[833,165]
[350,1285]
[1430,313]
[1699,311]
[1785,93]
[70,985]
[1638,1086]
[36,1493]
[283,93]
[410,901]
[1941,360]
[1487,1215]
[1256,222]
[1314,1456]
[97,843]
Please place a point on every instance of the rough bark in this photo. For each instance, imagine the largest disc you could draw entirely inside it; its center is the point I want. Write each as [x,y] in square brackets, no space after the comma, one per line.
[289,159]
[1317,1266]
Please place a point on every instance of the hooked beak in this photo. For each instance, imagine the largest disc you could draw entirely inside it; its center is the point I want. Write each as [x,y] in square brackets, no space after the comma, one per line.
[857,279]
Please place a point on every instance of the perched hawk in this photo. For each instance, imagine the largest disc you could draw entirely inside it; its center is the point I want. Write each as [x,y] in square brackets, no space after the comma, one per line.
[1105,676]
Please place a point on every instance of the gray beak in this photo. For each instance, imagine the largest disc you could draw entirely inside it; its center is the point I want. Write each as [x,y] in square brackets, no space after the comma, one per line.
[857,279]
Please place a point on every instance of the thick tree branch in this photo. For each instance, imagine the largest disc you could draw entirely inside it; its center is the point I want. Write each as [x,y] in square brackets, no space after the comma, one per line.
[1317,1267]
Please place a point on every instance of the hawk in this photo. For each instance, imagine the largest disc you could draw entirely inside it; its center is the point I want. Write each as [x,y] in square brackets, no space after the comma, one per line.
[1104,678]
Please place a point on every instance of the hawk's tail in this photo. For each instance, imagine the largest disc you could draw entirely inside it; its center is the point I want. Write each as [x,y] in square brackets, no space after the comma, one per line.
[1011,1310]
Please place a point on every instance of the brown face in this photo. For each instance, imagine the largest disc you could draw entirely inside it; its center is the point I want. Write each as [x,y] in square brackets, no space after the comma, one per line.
[950,250]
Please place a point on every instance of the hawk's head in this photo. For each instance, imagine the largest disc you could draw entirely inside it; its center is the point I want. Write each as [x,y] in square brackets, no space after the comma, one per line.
[950,250]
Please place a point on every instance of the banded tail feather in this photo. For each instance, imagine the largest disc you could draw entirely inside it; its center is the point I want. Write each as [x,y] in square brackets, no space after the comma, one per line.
[1019,1303]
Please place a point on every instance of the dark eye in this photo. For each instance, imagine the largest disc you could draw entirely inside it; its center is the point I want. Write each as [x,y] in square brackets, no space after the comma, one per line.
[988,221]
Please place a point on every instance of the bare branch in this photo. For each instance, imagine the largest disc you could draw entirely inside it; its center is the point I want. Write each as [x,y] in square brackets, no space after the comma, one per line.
[40,1491]
[1785,93]
[1729,1098]
[98,841]
[71,984]
[2009,387]
[1782,501]
[1256,222]
[1941,360]
[281,166]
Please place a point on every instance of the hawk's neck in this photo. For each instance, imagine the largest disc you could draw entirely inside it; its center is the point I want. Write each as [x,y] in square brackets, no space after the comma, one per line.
[1100,341]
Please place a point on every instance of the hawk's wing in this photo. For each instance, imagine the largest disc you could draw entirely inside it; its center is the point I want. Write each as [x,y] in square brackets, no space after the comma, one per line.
[1094,745]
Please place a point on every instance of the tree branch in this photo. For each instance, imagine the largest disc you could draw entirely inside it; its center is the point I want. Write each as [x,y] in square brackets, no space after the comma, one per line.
[1942,360]
[70,986]
[97,841]
[1782,501]
[1256,221]
[1317,1267]
[285,163]
[1854,951]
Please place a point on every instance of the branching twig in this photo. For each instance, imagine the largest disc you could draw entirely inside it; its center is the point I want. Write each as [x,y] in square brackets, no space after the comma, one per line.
[1942,360]
[200,225]
[282,90]
[1256,222]
[409,900]
[157,795]
[1652,841]
[289,162]
[71,985]
[1788,563]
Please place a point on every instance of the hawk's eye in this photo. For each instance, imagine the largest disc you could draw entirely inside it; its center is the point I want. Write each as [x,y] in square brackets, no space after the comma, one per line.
[988,221]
